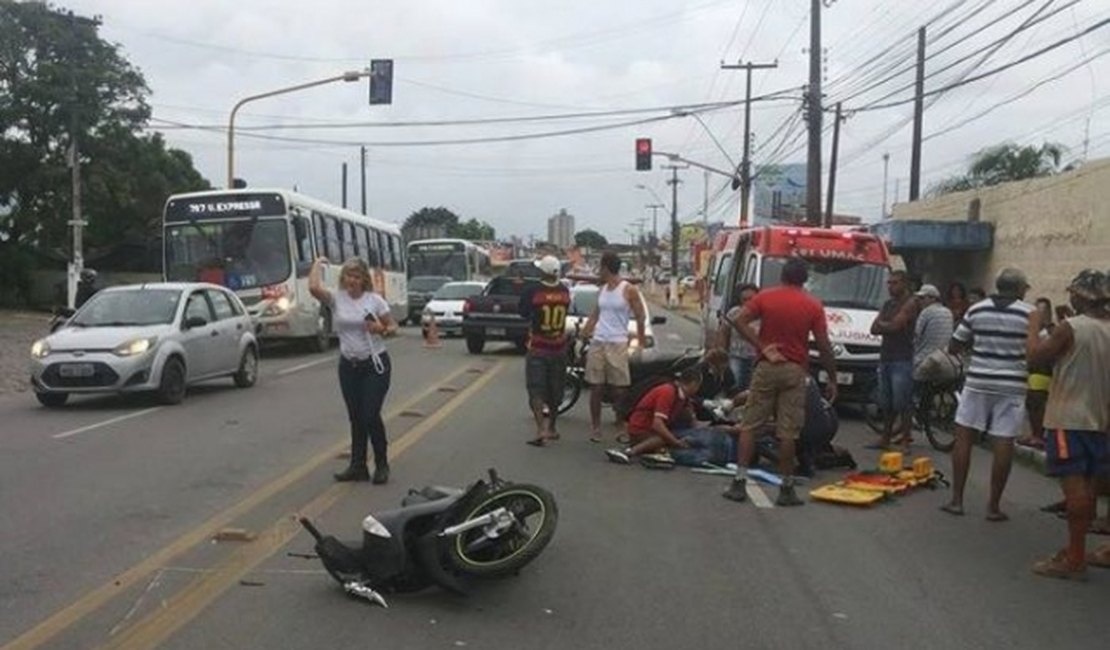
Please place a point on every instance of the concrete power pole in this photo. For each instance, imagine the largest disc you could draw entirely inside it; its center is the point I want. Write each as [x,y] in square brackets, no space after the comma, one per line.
[344,186]
[675,235]
[832,166]
[886,182]
[813,159]
[746,161]
[362,151]
[918,115]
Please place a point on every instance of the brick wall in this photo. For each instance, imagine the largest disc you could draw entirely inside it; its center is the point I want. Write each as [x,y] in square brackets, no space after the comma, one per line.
[1049,227]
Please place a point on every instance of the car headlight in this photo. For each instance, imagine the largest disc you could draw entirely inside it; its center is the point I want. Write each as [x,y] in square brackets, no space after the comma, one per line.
[283,304]
[40,349]
[134,347]
[375,527]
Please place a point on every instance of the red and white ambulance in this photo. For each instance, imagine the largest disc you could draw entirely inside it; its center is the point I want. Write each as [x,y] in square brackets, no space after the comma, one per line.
[848,269]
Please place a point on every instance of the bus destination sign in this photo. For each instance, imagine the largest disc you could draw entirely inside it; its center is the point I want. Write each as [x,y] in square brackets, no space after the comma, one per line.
[228,206]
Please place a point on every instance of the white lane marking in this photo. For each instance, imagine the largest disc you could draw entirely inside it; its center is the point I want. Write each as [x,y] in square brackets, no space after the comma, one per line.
[674,337]
[758,497]
[288,371]
[105,423]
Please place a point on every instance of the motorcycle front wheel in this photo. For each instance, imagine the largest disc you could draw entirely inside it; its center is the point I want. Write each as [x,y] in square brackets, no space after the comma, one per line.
[572,390]
[477,554]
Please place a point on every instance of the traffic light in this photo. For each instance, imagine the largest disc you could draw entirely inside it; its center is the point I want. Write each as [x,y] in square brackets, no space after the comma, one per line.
[643,154]
[381,81]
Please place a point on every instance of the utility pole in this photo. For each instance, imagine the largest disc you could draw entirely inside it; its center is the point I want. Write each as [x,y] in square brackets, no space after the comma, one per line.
[813,159]
[746,161]
[918,115]
[832,167]
[344,186]
[655,207]
[77,222]
[705,201]
[362,151]
[886,182]
[673,294]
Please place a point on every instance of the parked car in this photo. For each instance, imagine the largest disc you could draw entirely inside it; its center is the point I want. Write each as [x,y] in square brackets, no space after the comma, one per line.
[159,337]
[446,305]
[421,288]
[583,299]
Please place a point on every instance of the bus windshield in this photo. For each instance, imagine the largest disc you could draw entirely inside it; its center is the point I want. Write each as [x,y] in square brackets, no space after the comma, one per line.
[843,284]
[240,254]
[438,260]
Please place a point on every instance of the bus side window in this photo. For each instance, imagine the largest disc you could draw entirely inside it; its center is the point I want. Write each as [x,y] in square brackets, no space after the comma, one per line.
[321,234]
[302,241]
[362,236]
[332,243]
[347,237]
[394,252]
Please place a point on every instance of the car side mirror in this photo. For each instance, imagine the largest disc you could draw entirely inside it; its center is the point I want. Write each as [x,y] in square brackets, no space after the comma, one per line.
[303,268]
[658,320]
[194,322]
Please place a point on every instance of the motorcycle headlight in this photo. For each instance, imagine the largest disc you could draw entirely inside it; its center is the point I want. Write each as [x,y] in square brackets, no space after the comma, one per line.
[40,349]
[134,347]
[375,527]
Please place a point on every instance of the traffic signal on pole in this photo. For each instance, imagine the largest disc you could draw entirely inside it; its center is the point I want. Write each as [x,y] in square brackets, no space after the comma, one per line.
[643,154]
[381,81]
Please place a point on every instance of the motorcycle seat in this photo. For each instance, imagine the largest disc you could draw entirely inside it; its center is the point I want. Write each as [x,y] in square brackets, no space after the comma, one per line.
[429,493]
[397,521]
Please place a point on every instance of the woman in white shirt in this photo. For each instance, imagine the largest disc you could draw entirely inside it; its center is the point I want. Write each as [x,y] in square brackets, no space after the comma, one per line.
[362,320]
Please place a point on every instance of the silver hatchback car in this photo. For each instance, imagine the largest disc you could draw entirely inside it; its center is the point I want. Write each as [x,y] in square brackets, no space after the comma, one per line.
[152,337]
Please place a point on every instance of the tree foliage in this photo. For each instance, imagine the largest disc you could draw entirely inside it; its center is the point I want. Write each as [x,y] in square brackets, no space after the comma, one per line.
[60,82]
[442,222]
[590,238]
[1004,163]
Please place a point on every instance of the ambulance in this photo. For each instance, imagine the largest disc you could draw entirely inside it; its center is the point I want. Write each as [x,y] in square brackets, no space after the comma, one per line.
[848,270]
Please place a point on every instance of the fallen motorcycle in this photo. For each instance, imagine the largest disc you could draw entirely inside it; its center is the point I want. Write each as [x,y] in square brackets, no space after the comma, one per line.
[442,536]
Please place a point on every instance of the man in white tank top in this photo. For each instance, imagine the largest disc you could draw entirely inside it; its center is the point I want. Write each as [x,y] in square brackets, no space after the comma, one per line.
[618,302]
[1077,416]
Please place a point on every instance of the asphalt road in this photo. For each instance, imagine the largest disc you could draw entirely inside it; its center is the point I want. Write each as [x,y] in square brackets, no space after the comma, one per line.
[108,510]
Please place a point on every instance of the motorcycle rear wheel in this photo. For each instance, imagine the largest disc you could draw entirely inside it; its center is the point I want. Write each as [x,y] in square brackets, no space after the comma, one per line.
[473,554]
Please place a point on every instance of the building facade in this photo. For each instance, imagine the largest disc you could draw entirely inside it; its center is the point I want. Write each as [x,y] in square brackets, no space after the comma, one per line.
[560,229]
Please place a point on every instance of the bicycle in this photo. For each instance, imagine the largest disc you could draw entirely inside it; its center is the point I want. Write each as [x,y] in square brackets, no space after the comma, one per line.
[933,412]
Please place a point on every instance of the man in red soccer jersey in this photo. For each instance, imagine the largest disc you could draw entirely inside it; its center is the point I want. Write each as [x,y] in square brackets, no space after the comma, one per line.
[544,305]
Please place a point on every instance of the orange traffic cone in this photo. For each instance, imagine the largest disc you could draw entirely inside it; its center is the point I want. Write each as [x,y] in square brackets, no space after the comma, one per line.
[431,334]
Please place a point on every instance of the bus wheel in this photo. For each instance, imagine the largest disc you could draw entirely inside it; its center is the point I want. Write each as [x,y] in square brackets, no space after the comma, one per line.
[321,341]
[475,344]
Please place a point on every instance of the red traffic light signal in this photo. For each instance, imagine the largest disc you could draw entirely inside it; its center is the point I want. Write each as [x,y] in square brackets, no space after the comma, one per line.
[643,154]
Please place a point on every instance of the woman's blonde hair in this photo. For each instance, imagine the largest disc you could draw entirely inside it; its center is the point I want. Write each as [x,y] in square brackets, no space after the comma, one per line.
[358,267]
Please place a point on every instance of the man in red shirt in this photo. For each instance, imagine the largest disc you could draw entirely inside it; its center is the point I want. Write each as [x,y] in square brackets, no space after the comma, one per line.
[788,315]
[660,412]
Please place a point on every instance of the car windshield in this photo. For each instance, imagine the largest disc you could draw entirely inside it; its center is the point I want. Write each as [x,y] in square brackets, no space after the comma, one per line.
[457,291]
[235,254]
[128,307]
[427,284]
[451,263]
[844,284]
[583,301]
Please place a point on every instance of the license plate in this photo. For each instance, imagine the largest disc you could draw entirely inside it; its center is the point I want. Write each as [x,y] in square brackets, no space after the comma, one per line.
[496,331]
[76,370]
[842,378]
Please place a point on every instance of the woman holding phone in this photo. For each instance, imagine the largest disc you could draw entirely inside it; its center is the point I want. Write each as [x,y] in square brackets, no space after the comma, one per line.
[362,320]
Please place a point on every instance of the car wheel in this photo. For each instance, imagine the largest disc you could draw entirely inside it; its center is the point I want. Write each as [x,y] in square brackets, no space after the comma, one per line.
[321,341]
[247,374]
[171,387]
[52,400]
[475,344]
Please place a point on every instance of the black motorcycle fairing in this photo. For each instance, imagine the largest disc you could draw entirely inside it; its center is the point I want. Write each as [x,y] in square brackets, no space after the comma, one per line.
[398,521]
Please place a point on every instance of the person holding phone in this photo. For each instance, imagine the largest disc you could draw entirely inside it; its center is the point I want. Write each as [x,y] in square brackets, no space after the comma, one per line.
[362,320]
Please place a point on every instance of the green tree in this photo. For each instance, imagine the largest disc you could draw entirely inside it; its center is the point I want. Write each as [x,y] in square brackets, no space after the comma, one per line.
[473,230]
[1004,163]
[590,238]
[429,220]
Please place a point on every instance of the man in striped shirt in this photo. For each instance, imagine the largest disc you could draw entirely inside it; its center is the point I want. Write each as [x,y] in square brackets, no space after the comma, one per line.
[993,398]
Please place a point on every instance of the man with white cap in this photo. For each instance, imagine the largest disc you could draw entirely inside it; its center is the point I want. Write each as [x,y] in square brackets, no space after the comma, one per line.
[993,397]
[544,305]
[933,329]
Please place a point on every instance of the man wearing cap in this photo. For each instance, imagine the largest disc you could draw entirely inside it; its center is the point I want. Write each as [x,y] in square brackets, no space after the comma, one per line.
[993,397]
[934,326]
[895,323]
[544,305]
[1077,415]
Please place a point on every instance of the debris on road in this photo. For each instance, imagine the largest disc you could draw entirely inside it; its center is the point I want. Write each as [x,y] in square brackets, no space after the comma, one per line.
[234,535]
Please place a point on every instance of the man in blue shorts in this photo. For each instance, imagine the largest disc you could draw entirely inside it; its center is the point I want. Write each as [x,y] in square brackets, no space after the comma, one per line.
[1077,416]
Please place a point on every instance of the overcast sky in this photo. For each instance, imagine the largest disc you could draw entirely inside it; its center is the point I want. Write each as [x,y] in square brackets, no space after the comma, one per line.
[466,59]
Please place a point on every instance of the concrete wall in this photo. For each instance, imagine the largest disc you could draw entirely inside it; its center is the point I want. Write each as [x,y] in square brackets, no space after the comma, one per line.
[1049,227]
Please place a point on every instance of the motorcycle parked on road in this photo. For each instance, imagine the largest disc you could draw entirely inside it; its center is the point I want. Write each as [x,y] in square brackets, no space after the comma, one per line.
[442,536]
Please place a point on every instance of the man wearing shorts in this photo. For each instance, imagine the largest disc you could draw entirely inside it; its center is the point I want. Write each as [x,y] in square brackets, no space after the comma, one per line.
[544,306]
[993,397]
[618,302]
[895,323]
[1077,415]
[788,315]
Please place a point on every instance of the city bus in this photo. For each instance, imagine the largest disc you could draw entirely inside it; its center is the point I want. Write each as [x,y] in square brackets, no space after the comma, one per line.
[261,244]
[458,259]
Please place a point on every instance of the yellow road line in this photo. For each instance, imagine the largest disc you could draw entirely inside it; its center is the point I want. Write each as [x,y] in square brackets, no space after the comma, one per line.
[186,605]
[93,600]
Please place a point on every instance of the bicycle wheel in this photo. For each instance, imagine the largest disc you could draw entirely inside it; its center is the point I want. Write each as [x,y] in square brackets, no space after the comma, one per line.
[938,414]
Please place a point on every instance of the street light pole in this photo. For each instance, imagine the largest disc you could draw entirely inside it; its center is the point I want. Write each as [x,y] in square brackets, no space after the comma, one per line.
[350,75]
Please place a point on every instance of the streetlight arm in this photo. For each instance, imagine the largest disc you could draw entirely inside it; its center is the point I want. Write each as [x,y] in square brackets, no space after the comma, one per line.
[678,158]
[352,75]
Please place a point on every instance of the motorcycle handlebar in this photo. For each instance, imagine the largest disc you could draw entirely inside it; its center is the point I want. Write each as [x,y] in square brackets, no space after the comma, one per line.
[310,528]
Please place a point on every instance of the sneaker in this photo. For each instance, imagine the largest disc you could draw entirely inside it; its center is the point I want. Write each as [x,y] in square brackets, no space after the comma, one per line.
[788,497]
[737,491]
[1057,566]
[617,456]
[657,461]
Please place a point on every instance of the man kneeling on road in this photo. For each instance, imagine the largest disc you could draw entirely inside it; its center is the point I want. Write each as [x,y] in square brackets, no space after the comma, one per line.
[663,420]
